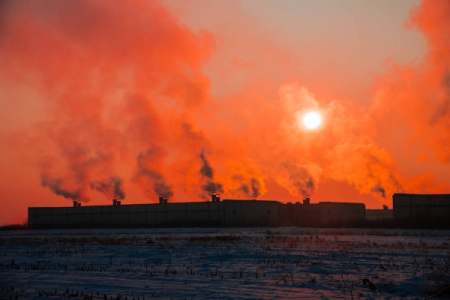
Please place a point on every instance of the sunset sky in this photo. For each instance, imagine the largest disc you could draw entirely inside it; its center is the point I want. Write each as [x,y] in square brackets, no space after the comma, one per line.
[135,99]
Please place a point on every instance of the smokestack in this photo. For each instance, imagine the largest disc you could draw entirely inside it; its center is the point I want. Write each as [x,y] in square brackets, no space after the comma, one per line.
[306,201]
[75,203]
[114,202]
[162,200]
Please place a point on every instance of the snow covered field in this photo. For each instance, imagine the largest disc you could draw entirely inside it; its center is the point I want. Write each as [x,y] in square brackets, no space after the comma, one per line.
[225,263]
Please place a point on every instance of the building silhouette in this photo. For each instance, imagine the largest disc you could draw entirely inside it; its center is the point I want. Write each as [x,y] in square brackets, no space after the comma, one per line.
[409,211]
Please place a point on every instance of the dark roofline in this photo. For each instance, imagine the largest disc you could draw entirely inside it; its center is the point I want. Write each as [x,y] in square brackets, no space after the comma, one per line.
[412,194]
[250,200]
[327,202]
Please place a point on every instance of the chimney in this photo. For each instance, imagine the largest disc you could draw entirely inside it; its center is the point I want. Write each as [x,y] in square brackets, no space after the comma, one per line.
[217,199]
[213,198]
[306,201]
[118,202]
[75,203]
[385,207]
[162,200]
[114,202]
[79,204]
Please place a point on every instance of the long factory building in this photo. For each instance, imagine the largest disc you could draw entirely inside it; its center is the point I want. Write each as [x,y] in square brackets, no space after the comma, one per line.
[408,209]
[228,212]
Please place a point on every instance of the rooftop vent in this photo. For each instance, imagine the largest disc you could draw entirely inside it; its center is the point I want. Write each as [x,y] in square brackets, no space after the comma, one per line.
[215,198]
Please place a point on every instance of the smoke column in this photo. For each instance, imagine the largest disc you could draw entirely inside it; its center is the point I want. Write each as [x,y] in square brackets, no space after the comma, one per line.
[147,176]
[210,186]
[112,188]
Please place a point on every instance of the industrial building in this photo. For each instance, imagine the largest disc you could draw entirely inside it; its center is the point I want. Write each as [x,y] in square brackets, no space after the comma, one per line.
[409,211]
[422,209]
[213,213]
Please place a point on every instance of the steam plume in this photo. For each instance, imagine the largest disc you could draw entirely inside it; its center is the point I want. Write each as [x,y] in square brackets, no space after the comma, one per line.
[57,186]
[298,179]
[147,176]
[379,189]
[206,171]
[253,189]
[112,187]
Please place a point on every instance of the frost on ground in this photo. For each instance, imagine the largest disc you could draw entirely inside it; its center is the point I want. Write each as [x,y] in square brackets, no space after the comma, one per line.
[225,263]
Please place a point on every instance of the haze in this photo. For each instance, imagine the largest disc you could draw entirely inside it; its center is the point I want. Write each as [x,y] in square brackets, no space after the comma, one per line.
[135,99]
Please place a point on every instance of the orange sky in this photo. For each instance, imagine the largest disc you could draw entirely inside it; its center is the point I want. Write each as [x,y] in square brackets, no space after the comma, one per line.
[185,98]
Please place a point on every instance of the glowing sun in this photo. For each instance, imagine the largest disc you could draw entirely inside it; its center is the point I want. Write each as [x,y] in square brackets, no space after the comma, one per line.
[312,120]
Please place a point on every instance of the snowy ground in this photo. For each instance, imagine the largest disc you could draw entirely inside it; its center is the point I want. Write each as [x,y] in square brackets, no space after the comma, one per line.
[225,263]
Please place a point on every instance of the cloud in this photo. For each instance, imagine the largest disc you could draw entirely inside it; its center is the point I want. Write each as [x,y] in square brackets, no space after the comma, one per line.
[411,104]
[124,101]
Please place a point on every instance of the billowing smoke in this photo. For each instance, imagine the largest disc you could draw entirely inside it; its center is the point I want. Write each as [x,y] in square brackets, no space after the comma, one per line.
[411,105]
[252,189]
[122,89]
[206,170]
[305,187]
[380,190]
[96,95]
[207,174]
[157,181]
[81,169]
[112,187]
[211,187]
[57,186]
[152,181]
[298,179]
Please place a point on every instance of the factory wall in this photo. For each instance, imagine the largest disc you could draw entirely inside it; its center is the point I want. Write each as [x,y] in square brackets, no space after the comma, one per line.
[335,213]
[422,208]
[250,213]
[379,214]
[297,214]
[139,215]
[216,213]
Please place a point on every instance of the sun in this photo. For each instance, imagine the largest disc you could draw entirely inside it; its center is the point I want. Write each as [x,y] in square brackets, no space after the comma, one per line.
[312,120]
